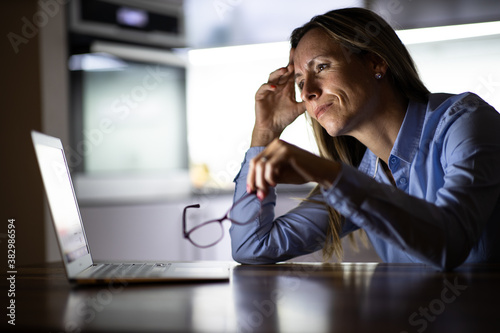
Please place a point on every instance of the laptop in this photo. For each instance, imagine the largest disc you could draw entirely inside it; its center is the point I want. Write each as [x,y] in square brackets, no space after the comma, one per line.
[70,232]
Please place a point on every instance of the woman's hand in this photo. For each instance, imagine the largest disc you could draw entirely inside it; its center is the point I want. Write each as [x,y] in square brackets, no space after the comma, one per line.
[283,163]
[275,106]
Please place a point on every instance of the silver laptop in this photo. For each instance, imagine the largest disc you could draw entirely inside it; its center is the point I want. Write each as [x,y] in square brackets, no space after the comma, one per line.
[72,240]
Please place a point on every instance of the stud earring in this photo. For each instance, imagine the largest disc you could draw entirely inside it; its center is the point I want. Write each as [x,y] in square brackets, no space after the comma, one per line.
[378,76]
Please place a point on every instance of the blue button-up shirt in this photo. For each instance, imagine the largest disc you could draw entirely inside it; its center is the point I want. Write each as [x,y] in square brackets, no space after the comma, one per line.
[443,211]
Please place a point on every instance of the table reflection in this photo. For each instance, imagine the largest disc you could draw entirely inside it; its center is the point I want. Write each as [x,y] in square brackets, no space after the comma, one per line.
[172,307]
[296,298]
[348,298]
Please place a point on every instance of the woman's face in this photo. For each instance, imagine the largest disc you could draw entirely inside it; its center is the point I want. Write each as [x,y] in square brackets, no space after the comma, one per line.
[339,88]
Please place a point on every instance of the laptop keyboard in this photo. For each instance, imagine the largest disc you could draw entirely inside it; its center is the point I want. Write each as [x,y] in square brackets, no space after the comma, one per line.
[129,270]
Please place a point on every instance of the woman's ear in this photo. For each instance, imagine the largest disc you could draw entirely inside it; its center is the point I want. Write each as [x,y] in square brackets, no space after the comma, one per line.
[376,63]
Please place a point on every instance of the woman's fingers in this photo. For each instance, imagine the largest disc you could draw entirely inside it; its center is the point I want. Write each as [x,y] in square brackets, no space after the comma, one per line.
[263,90]
[262,187]
[290,57]
[251,177]
[255,179]
[275,77]
[265,169]
[282,75]
[270,174]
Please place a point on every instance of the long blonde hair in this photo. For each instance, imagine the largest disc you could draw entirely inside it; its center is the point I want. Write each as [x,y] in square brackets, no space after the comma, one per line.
[359,31]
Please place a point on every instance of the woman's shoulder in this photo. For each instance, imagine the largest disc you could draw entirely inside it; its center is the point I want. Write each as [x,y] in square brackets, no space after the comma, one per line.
[462,117]
[444,111]
[450,104]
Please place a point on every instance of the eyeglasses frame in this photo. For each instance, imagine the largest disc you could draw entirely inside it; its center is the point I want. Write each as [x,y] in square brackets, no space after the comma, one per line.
[220,220]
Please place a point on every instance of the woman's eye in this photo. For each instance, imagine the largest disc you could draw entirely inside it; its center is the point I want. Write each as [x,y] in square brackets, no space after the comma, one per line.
[321,67]
[300,84]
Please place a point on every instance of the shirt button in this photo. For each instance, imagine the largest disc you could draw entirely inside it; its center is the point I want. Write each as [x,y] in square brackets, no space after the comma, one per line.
[393,160]
[403,181]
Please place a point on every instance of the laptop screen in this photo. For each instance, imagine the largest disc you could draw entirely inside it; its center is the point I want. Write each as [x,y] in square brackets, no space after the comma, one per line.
[62,202]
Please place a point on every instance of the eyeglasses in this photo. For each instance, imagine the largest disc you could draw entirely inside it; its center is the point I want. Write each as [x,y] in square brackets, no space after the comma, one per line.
[209,233]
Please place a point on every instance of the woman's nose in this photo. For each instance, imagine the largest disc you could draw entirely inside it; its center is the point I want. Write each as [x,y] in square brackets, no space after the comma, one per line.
[310,90]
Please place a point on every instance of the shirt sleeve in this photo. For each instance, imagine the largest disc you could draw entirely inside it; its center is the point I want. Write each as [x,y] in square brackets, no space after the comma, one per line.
[268,239]
[440,233]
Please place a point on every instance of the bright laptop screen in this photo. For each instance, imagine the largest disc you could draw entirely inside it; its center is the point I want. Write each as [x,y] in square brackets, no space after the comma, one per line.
[62,202]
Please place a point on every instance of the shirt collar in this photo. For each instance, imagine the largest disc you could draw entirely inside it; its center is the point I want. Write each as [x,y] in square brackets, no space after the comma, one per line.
[408,139]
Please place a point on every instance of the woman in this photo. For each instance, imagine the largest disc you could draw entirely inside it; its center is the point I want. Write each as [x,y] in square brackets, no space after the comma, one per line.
[418,172]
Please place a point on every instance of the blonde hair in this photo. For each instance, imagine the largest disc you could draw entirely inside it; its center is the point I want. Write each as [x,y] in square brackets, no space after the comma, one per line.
[359,31]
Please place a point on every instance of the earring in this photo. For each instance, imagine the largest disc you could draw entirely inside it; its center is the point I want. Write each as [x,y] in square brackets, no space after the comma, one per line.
[378,76]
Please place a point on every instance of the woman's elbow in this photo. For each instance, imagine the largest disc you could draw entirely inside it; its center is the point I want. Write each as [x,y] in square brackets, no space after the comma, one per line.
[451,259]
[246,256]
[240,257]
[447,265]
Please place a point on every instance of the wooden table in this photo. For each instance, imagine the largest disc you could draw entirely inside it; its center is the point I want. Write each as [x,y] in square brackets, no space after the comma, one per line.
[276,298]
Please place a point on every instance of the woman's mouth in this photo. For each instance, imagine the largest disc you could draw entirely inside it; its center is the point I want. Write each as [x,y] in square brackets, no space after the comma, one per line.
[318,112]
